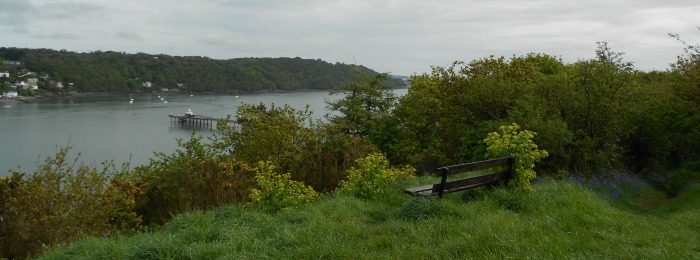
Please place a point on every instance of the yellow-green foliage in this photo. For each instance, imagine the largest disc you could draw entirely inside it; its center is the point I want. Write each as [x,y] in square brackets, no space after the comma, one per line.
[61,202]
[518,144]
[373,176]
[278,191]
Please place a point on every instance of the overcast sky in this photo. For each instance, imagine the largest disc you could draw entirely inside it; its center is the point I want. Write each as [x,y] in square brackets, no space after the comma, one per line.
[401,37]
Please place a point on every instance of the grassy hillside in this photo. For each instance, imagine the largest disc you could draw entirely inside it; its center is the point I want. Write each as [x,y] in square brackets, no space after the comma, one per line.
[561,220]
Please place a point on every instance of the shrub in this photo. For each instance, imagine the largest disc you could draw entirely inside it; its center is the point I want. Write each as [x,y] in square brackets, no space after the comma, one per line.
[374,176]
[313,153]
[518,144]
[60,202]
[194,177]
[326,158]
[277,191]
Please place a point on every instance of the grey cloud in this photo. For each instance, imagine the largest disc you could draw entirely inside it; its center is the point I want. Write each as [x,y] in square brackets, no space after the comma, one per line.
[58,36]
[70,10]
[129,35]
[15,6]
[14,14]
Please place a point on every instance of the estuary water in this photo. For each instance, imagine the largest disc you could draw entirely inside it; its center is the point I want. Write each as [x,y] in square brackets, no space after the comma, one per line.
[113,128]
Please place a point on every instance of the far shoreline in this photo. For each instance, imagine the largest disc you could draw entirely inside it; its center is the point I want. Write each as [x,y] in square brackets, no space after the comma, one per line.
[39,98]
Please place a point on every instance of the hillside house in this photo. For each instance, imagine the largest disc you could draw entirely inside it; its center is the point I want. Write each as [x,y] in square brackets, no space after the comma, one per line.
[25,73]
[11,62]
[32,83]
[4,74]
[147,84]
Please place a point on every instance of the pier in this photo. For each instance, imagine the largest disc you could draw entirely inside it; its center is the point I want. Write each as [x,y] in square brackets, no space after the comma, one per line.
[190,119]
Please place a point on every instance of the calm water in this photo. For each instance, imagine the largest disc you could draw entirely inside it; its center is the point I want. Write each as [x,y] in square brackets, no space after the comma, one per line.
[110,128]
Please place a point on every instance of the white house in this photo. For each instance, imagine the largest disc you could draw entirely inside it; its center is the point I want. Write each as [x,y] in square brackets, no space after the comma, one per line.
[147,84]
[20,84]
[4,74]
[59,84]
[32,83]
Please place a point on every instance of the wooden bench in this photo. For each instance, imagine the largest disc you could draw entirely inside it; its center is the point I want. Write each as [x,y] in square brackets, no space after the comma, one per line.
[466,183]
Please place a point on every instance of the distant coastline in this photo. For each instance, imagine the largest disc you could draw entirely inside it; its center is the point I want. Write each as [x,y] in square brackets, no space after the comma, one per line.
[39,98]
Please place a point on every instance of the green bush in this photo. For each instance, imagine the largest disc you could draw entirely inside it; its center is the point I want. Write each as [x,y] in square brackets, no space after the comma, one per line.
[374,176]
[195,176]
[62,201]
[327,157]
[277,191]
[518,144]
[313,153]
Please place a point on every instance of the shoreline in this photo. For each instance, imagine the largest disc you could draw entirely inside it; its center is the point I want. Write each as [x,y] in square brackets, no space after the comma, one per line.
[39,98]
[10,101]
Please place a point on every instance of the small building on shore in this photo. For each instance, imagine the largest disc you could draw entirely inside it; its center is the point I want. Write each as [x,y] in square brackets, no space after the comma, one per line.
[9,94]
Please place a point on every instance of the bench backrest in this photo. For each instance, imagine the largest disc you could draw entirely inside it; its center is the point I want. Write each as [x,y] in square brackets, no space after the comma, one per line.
[472,182]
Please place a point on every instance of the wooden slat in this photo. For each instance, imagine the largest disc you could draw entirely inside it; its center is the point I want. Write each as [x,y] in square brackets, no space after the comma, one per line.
[472,182]
[475,166]
[420,190]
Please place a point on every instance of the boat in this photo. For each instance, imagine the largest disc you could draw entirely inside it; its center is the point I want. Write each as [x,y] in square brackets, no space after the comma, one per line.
[189,113]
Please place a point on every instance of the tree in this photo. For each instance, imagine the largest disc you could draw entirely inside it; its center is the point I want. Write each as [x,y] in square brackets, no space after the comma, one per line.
[687,85]
[277,134]
[599,114]
[447,113]
[365,100]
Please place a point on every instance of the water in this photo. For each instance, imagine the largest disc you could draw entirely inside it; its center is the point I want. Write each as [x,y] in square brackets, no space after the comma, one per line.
[111,128]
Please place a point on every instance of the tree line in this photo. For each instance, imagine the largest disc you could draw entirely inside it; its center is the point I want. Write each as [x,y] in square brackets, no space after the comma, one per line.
[118,72]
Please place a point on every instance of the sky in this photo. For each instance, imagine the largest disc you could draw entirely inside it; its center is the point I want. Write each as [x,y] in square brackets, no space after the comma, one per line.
[401,37]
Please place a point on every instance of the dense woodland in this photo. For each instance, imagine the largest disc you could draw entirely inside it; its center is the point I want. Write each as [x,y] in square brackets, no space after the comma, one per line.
[594,117]
[116,72]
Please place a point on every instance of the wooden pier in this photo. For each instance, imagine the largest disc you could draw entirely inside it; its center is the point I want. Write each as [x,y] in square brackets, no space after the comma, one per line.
[190,119]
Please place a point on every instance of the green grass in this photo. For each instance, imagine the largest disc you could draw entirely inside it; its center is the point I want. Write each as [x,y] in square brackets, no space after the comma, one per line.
[560,220]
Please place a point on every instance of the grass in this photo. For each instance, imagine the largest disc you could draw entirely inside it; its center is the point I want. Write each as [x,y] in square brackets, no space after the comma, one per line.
[561,220]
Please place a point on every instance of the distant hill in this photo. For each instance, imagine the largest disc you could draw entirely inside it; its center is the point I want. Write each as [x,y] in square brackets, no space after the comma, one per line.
[118,72]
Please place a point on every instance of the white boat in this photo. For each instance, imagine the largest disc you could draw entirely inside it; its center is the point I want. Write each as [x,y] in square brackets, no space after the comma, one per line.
[189,113]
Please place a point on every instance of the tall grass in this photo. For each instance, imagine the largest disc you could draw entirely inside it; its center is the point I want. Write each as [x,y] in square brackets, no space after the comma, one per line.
[561,220]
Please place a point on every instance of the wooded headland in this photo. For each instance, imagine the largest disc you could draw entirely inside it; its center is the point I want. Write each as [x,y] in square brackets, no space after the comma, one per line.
[117,72]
